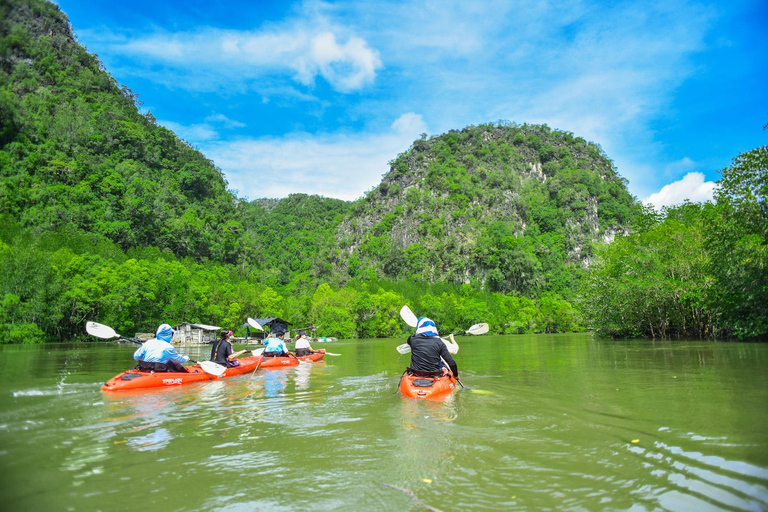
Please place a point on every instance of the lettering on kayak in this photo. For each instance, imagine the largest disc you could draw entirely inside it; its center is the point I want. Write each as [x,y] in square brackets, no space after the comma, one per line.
[171,382]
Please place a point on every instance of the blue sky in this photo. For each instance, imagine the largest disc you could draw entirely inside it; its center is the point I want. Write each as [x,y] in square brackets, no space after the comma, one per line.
[316,97]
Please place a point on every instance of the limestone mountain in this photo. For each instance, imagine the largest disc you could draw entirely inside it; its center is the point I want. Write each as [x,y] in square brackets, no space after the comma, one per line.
[76,152]
[511,207]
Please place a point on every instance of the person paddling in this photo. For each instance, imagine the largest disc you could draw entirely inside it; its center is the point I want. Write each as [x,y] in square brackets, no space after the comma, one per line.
[302,347]
[275,346]
[428,351]
[222,352]
[158,355]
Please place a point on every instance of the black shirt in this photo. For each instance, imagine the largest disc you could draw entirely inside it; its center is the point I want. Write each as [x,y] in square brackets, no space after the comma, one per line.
[221,349]
[426,352]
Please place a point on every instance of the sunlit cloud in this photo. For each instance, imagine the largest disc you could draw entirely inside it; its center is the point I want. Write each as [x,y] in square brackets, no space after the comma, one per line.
[193,134]
[207,57]
[223,120]
[692,187]
[343,166]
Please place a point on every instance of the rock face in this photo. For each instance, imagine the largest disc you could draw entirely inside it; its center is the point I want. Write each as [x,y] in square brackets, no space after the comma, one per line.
[485,203]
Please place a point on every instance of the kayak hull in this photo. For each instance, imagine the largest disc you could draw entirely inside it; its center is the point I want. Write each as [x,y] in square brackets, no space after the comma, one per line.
[279,362]
[427,388]
[135,379]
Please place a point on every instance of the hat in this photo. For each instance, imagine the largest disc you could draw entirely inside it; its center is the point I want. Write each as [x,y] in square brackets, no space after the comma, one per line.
[164,333]
[426,327]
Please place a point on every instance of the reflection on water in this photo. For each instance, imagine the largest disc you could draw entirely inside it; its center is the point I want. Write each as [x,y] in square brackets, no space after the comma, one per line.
[274,382]
[301,376]
[550,423]
[155,440]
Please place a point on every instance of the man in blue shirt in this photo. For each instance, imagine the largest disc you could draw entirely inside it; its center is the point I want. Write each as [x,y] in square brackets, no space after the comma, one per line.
[158,354]
[275,346]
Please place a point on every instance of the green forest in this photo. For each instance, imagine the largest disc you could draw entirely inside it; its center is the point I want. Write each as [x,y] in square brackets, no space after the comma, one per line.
[108,216]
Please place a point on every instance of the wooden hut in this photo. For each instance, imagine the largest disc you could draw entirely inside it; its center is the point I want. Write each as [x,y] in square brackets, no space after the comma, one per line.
[194,334]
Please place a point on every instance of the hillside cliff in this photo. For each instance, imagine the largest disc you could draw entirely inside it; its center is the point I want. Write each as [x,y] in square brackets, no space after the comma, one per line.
[76,151]
[514,207]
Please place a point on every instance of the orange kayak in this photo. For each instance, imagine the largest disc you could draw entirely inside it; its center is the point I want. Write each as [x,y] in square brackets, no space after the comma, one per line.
[428,388]
[278,362]
[135,379]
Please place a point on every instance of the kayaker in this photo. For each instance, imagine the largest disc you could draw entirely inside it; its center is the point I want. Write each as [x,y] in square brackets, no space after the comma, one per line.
[222,352]
[275,346]
[158,354]
[428,352]
[303,348]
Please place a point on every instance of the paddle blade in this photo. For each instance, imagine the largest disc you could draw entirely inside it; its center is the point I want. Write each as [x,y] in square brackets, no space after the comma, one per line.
[100,330]
[408,317]
[257,352]
[453,347]
[253,323]
[212,368]
[478,329]
[404,348]
[331,354]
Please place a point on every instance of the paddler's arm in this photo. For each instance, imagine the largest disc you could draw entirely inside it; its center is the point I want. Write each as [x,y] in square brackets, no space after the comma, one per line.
[172,354]
[449,360]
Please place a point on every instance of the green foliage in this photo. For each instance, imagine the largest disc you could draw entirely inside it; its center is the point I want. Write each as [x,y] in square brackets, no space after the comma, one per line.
[690,271]
[738,244]
[76,151]
[654,282]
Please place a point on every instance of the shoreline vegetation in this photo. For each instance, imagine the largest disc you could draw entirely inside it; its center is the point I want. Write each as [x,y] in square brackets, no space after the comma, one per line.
[107,216]
[698,270]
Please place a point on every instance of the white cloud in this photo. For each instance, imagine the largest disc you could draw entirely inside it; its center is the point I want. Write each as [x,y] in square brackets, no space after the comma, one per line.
[692,187]
[334,165]
[409,124]
[223,120]
[210,58]
[193,134]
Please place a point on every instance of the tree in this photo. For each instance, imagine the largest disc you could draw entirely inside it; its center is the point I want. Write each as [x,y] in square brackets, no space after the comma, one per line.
[738,244]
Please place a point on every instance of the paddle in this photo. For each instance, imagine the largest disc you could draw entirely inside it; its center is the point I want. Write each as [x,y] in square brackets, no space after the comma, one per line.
[474,330]
[407,315]
[253,323]
[258,352]
[105,332]
[301,361]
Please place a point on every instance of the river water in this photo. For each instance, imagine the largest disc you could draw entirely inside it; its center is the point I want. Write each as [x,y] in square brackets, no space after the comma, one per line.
[562,422]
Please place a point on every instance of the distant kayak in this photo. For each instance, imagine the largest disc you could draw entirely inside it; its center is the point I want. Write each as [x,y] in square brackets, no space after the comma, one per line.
[428,388]
[136,379]
[277,362]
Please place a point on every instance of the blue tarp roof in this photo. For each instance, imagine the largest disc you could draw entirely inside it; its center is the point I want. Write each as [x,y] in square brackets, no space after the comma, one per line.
[273,320]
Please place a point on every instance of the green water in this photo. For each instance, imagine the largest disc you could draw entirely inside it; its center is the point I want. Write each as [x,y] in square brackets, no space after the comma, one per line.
[547,424]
